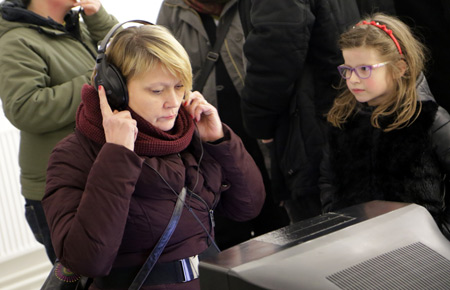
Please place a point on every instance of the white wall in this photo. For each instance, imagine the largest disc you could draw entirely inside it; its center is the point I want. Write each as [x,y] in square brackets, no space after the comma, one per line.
[133,9]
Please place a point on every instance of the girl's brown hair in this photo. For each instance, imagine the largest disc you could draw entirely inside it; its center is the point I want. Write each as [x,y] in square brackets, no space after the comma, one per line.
[402,104]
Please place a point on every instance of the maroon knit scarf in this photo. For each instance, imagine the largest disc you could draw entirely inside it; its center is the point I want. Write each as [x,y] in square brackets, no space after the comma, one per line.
[150,140]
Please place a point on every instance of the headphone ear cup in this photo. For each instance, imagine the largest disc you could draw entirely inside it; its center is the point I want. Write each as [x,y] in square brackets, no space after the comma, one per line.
[114,83]
[109,76]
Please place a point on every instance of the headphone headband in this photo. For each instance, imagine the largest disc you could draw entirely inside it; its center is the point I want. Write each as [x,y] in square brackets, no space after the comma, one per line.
[113,30]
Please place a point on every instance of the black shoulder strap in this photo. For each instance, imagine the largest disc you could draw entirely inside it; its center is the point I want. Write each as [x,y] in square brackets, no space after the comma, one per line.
[157,250]
[244,14]
[213,55]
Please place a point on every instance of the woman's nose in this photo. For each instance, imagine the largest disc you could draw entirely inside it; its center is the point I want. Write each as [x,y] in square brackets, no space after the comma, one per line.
[173,99]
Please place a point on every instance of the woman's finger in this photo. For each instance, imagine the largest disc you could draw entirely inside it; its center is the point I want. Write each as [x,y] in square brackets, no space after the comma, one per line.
[104,106]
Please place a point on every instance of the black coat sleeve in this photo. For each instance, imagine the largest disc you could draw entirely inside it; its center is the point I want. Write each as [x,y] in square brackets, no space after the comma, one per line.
[326,181]
[276,49]
[441,145]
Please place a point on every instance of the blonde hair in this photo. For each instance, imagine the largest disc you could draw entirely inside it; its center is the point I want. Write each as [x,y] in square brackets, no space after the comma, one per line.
[138,49]
[402,102]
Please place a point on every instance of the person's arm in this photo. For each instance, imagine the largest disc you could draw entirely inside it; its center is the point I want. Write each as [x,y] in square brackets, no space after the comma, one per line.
[41,77]
[87,203]
[326,181]
[99,23]
[243,190]
[441,138]
[40,90]
[441,144]
[276,50]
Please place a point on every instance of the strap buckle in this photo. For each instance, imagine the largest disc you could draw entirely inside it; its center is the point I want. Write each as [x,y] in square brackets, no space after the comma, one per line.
[212,56]
[190,268]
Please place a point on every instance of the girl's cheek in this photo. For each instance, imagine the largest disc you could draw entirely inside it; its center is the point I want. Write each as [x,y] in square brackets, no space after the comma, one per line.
[370,83]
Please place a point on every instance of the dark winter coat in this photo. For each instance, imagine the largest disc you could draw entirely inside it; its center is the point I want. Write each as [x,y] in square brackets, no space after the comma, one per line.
[362,163]
[292,57]
[107,206]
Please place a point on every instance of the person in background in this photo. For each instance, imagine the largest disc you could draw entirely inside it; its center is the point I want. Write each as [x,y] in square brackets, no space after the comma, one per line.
[292,55]
[46,56]
[389,138]
[113,183]
[197,24]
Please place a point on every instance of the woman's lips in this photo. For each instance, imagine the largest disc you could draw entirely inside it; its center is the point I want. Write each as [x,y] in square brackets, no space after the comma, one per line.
[169,117]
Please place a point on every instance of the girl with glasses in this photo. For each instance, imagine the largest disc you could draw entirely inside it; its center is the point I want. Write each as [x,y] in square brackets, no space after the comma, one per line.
[389,139]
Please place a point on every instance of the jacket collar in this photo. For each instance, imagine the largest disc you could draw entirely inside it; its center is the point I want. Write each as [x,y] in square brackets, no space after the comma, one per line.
[423,90]
[183,4]
[190,16]
[16,12]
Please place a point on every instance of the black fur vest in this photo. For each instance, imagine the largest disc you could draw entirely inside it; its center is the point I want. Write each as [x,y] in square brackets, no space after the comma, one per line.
[396,166]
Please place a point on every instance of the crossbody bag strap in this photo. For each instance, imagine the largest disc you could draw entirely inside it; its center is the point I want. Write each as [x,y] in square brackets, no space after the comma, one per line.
[244,14]
[213,55]
[157,250]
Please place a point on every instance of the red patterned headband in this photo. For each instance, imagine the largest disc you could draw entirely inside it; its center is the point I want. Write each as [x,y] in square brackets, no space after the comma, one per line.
[388,31]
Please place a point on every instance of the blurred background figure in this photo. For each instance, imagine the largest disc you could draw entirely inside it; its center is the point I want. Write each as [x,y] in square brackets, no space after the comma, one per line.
[292,57]
[212,33]
[46,56]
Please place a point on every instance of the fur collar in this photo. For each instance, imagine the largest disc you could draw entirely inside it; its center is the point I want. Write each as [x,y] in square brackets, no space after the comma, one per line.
[397,166]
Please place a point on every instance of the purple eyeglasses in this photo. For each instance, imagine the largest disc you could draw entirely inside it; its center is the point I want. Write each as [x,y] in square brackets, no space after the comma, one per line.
[362,71]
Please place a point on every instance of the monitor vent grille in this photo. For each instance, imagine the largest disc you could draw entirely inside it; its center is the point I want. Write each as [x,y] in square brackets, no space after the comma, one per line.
[415,266]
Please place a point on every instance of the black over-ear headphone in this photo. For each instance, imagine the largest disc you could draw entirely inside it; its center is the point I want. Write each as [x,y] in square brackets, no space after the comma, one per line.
[109,76]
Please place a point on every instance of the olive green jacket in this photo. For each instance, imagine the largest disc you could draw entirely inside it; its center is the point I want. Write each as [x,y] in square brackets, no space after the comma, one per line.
[42,70]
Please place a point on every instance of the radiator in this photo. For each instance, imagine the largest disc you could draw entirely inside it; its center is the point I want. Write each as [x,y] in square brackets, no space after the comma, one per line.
[16,237]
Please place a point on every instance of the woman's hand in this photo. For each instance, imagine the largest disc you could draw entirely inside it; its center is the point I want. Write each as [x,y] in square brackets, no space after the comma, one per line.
[90,7]
[119,127]
[206,116]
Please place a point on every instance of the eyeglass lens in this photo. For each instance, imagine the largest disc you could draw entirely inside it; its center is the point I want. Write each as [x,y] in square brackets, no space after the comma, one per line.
[362,72]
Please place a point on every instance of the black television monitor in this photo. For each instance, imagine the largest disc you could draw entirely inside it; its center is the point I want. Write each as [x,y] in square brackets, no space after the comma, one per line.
[375,245]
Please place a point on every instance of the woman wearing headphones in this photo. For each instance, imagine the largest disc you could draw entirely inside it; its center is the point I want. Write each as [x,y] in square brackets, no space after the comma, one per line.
[113,184]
